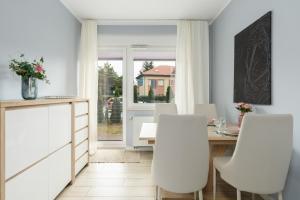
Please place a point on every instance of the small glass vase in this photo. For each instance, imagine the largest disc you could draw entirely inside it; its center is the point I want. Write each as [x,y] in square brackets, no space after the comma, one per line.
[29,88]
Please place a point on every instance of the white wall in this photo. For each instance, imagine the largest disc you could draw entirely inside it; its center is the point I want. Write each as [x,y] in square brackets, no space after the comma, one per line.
[285,65]
[38,28]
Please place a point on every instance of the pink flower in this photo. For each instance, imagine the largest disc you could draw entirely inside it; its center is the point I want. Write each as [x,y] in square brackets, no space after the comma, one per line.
[240,104]
[39,69]
[247,106]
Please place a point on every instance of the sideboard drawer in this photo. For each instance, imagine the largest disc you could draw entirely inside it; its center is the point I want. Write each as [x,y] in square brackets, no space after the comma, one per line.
[81,122]
[26,138]
[32,184]
[81,162]
[81,135]
[81,149]
[59,171]
[81,108]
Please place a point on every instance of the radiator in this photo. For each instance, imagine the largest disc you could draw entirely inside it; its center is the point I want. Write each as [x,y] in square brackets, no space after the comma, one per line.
[137,125]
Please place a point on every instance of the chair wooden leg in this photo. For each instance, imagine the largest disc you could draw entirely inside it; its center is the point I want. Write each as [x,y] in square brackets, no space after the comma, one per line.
[238,195]
[200,195]
[158,193]
[214,183]
[195,195]
[280,196]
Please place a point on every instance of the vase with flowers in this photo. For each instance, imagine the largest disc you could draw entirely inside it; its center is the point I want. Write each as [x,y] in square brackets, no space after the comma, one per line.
[30,72]
[243,108]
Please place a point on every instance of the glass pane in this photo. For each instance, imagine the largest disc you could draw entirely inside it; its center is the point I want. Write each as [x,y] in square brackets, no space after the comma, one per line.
[154,81]
[110,110]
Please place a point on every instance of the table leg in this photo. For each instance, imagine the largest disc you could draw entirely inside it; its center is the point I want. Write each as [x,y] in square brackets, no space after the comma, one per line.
[215,151]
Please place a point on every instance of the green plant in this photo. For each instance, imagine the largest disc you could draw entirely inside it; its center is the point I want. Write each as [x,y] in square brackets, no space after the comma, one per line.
[151,94]
[116,111]
[27,69]
[169,94]
[146,99]
[135,94]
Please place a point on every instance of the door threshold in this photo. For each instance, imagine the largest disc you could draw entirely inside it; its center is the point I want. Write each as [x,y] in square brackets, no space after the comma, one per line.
[111,144]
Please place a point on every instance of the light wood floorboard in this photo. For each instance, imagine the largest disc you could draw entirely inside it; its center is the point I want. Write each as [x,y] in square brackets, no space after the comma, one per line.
[129,181]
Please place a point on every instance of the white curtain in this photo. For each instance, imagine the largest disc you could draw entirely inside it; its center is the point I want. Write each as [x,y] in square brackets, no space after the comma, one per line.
[192,65]
[88,79]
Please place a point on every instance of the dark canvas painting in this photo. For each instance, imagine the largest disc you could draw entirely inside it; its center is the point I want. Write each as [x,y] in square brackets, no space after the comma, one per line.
[252,63]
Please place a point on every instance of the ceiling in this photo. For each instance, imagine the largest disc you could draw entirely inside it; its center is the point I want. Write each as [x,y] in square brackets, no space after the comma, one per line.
[145,9]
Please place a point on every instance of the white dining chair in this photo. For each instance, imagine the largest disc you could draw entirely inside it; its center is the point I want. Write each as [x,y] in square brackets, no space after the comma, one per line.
[164,108]
[262,156]
[181,156]
[209,110]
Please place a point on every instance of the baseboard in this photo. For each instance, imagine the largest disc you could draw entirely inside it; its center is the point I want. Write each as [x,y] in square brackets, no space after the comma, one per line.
[139,148]
[111,144]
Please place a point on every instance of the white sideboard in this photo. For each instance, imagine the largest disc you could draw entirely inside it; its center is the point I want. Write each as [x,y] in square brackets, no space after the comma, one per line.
[43,146]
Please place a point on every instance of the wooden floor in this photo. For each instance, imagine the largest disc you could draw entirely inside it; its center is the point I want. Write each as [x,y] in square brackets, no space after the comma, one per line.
[128,181]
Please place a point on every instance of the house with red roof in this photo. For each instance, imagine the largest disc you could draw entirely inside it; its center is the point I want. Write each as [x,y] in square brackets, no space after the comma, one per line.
[158,78]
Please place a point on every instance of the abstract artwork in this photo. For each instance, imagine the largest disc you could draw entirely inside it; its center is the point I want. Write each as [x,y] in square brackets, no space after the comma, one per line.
[252,63]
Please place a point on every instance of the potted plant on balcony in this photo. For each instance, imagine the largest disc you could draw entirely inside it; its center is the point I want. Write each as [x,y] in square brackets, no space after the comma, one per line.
[30,72]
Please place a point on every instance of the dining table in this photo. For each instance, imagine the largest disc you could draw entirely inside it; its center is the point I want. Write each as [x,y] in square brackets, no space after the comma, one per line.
[220,144]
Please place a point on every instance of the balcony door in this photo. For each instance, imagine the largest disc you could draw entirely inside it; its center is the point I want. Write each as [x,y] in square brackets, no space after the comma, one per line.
[110,95]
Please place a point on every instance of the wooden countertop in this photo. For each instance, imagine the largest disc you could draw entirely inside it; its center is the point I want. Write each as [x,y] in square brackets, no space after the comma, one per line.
[21,103]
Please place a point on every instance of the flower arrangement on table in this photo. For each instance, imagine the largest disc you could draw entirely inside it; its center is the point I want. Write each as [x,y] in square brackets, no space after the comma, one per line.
[29,71]
[243,108]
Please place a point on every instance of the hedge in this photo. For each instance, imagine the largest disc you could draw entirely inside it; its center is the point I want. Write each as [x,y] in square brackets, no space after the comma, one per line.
[147,99]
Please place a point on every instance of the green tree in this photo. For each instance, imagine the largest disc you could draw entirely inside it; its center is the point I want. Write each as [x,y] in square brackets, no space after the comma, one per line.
[109,81]
[147,65]
[117,86]
[135,93]
[169,94]
[151,95]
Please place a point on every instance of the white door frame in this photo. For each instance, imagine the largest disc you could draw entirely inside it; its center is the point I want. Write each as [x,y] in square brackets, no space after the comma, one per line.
[127,92]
